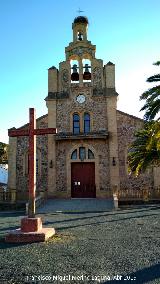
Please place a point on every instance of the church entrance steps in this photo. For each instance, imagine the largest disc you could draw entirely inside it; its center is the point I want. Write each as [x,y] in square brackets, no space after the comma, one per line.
[77,205]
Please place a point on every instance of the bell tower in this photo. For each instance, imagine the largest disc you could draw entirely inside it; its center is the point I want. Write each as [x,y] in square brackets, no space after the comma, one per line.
[79,55]
[83,86]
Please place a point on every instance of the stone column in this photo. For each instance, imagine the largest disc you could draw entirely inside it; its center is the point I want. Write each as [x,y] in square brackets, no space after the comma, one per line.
[51,104]
[110,75]
[12,163]
[80,73]
[52,79]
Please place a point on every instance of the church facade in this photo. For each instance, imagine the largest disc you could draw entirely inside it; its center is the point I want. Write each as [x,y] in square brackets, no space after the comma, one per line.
[87,158]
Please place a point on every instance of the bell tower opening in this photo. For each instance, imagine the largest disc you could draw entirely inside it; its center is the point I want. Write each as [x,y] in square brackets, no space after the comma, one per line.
[74,71]
[79,36]
[79,27]
[86,70]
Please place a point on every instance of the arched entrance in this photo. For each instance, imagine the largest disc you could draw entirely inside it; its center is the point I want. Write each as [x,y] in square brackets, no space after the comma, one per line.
[83,174]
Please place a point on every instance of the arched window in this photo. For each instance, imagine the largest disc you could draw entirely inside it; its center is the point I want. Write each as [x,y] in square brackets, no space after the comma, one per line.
[82,153]
[86,122]
[74,155]
[90,154]
[76,123]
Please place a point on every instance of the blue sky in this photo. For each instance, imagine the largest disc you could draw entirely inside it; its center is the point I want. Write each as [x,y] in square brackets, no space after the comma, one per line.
[34,34]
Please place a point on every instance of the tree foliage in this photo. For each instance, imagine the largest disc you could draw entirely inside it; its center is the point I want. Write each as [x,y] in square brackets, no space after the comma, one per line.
[145,149]
[3,153]
[152,98]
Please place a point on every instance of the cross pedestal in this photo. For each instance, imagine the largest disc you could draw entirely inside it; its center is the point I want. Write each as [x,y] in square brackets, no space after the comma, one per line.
[31,227]
[31,230]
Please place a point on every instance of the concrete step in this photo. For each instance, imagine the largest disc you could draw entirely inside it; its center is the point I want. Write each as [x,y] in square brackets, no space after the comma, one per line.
[76,205]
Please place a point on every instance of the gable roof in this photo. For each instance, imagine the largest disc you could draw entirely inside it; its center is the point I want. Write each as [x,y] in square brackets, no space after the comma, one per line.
[37,119]
[130,115]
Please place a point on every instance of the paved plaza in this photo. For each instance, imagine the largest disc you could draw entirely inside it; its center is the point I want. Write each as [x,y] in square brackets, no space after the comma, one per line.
[104,246]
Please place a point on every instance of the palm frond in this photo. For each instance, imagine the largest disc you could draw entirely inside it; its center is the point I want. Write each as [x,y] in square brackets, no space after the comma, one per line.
[152,92]
[151,109]
[157,63]
[154,78]
[145,149]
[152,97]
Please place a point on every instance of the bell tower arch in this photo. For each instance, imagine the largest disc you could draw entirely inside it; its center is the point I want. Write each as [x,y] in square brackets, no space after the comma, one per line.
[80,27]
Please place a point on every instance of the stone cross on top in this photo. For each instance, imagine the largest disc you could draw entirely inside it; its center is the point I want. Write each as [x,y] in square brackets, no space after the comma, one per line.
[31,132]
[80,11]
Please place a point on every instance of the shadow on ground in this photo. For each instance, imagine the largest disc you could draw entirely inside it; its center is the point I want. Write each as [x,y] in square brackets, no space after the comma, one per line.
[144,275]
[95,223]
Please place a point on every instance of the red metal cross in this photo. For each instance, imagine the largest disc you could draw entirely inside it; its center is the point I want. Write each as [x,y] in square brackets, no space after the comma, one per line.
[31,132]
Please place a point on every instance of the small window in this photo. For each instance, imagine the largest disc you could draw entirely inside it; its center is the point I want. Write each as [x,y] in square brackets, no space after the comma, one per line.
[90,154]
[74,155]
[76,123]
[82,153]
[86,123]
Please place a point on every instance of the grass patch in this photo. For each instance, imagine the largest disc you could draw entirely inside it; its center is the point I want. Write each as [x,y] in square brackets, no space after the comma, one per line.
[60,238]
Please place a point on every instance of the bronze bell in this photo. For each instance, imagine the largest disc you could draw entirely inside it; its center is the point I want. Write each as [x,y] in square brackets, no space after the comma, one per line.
[80,36]
[87,74]
[75,75]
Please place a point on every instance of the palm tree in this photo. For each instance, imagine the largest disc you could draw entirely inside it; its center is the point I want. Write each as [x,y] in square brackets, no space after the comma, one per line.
[145,149]
[152,98]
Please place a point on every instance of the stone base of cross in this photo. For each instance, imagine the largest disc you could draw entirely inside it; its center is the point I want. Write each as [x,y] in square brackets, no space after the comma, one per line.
[31,227]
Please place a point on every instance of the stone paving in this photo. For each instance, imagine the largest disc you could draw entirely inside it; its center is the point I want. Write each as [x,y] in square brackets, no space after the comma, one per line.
[77,205]
[120,246]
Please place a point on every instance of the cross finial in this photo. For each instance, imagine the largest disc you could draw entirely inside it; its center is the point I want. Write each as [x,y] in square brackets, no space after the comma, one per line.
[80,11]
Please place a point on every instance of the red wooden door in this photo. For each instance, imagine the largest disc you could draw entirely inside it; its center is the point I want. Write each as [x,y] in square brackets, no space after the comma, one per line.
[83,180]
